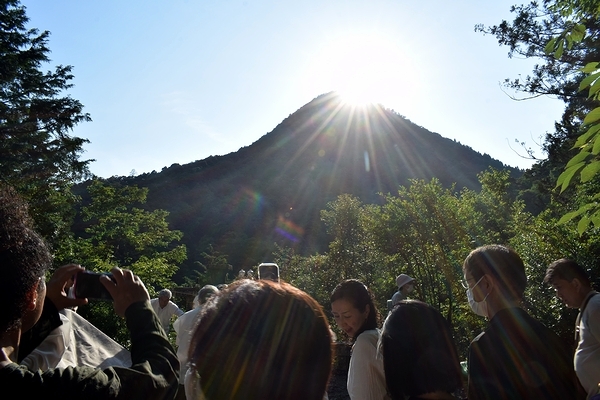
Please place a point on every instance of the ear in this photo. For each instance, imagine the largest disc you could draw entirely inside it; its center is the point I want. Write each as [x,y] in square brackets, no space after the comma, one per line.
[488,282]
[32,297]
[367,310]
[576,284]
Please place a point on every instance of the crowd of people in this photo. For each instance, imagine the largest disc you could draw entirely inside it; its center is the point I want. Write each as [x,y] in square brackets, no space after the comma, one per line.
[265,339]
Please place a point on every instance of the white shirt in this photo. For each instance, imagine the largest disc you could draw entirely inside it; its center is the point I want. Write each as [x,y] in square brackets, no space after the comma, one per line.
[587,355]
[77,343]
[366,379]
[185,326]
[165,314]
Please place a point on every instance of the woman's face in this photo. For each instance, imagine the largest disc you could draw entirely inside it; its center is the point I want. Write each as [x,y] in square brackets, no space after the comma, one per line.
[347,317]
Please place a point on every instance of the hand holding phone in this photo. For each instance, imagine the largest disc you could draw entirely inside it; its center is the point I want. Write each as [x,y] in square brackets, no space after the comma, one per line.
[88,286]
[57,287]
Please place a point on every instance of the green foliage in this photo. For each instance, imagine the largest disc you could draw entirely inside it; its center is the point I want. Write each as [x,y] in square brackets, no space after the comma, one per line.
[424,230]
[119,234]
[39,156]
[215,269]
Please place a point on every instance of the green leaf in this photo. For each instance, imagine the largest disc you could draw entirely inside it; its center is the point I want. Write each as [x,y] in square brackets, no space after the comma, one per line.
[596,145]
[550,46]
[589,171]
[590,67]
[559,52]
[578,158]
[585,137]
[582,225]
[596,218]
[592,116]
[578,33]
[594,88]
[588,80]
[567,175]
[568,217]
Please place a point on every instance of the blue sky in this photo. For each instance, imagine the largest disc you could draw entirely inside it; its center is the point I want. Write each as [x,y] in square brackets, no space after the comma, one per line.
[177,81]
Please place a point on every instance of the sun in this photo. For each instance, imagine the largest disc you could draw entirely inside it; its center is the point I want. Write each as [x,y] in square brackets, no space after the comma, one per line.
[363,67]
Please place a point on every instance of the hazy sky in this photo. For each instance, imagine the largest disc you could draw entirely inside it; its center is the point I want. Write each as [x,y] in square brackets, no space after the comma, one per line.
[175,81]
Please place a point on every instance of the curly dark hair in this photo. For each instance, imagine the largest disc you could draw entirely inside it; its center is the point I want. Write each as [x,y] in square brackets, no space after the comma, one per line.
[24,257]
[262,340]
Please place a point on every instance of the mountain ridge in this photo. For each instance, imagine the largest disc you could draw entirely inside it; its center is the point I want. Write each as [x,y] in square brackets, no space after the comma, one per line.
[272,191]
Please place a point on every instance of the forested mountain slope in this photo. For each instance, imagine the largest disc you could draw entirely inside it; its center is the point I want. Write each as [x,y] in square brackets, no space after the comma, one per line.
[273,190]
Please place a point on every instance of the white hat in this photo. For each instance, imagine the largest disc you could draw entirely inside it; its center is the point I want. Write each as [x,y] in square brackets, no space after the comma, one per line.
[402,280]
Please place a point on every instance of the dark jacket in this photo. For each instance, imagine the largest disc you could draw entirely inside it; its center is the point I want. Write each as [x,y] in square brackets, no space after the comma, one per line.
[517,357]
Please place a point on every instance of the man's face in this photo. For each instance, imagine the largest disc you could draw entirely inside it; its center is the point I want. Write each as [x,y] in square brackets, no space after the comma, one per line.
[163,301]
[567,292]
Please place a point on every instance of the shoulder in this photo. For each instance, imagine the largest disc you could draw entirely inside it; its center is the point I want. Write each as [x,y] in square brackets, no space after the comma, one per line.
[367,339]
[594,302]
[189,315]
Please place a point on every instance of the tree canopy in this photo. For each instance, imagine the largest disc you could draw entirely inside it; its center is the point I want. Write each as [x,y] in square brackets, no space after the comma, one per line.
[39,156]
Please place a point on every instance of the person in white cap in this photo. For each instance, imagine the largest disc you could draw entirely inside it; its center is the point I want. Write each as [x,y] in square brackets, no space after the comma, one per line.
[406,285]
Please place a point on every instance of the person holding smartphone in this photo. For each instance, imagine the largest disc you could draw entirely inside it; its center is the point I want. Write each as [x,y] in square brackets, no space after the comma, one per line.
[25,258]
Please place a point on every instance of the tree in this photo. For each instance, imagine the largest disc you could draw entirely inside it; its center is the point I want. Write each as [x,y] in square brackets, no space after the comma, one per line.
[118,233]
[38,155]
[582,15]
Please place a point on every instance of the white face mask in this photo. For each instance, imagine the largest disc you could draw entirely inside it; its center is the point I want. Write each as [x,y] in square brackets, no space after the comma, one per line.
[478,307]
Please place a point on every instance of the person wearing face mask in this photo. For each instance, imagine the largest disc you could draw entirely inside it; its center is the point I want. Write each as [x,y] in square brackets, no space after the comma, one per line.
[516,356]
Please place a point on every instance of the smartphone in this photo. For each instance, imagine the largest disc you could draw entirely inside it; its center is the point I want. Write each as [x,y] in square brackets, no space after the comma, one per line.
[88,286]
[268,271]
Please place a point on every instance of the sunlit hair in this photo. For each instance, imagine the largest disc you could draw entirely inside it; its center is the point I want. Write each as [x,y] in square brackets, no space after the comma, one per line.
[262,340]
[568,270]
[24,258]
[419,354]
[355,292]
[205,293]
[501,262]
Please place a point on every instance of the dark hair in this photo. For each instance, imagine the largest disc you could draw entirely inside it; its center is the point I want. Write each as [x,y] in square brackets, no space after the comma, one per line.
[419,354]
[24,258]
[504,264]
[360,296]
[568,270]
[262,340]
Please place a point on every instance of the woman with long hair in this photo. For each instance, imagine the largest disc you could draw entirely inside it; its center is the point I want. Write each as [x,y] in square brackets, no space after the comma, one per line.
[355,314]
